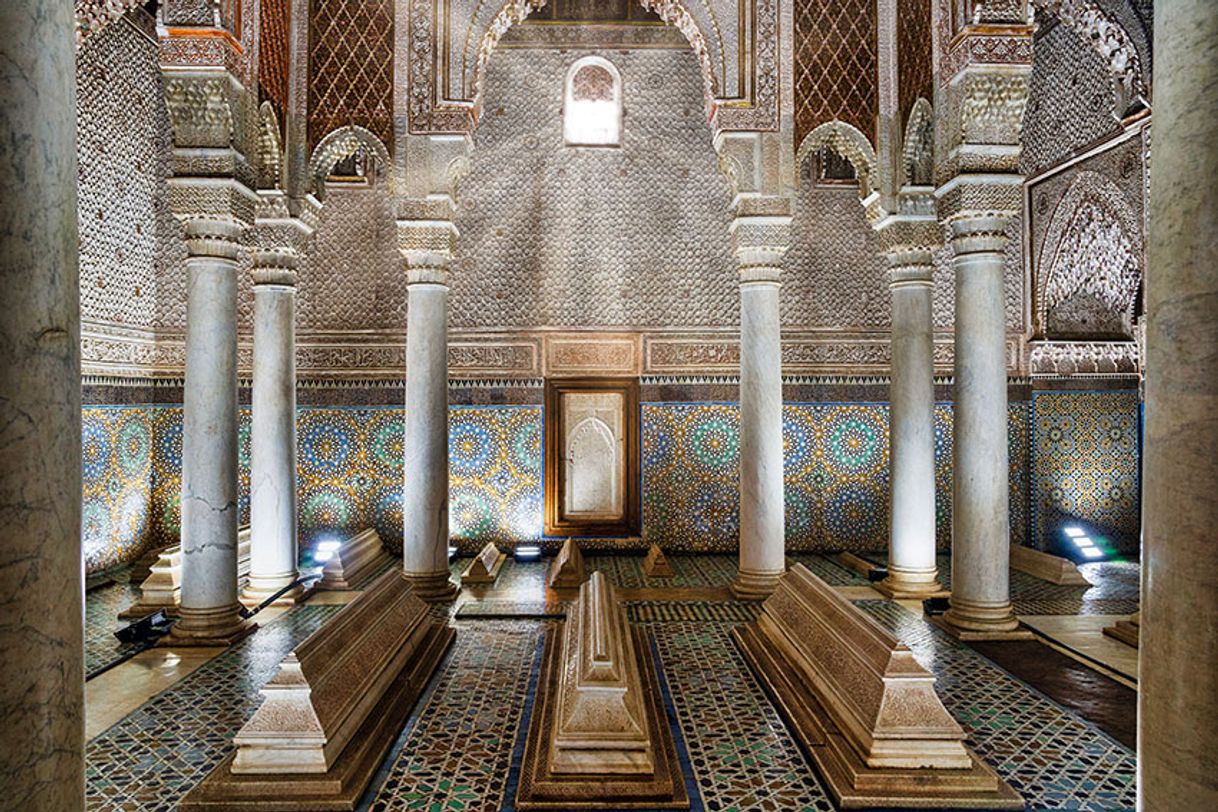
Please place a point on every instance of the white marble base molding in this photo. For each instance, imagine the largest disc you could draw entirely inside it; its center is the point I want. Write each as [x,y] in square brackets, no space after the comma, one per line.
[1046,566]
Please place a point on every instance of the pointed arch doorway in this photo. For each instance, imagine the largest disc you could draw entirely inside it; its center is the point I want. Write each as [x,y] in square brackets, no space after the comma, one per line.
[592,457]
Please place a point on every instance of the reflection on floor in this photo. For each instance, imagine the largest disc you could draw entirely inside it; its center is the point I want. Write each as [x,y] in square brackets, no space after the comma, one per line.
[460,745]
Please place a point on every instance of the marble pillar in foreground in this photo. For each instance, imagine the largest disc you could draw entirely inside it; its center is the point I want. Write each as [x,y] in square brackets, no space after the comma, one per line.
[273,551]
[425,491]
[41,585]
[762,543]
[1178,679]
[912,571]
[980,601]
[209,608]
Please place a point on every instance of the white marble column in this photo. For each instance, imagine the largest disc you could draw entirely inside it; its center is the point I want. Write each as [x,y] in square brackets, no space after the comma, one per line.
[1178,681]
[912,572]
[425,491]
[273,551]
[209,607]
[762,543]
[980,601]
[41,582]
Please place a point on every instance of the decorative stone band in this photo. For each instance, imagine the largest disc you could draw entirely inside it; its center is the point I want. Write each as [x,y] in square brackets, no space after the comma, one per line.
[985,234]
[981,196]
[213,237]
[599,727]
[431,270]
[753,274]
[275,266]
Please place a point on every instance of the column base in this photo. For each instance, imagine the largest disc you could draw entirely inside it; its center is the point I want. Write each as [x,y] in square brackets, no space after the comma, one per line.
[433,587]
[755,586]
[258,590]
[208,628]
[911,585]
[973,621]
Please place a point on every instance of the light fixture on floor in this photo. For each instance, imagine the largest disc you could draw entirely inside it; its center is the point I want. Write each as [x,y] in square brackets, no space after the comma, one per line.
[325,550]
[527,552]
[1083,544]
[452,552]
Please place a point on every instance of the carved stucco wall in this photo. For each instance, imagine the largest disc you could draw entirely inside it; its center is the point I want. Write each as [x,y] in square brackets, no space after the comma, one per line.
[1070,99]
[561,236]
[123,143]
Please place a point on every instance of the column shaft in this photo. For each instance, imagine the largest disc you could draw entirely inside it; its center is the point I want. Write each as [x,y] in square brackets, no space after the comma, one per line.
[41,583]
[762,558]
[1178,682]
[911,551]
[425,493]
[980,602]
[273,551]
[209,607]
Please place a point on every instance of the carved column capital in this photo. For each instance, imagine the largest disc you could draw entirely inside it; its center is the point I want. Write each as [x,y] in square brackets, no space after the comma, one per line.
[275,266]
[979,234]
[213,237]
[427,245]
[761,235]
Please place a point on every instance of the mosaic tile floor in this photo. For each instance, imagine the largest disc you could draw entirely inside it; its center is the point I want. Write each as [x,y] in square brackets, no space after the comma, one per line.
[459,746]
[102,606]
[150,759]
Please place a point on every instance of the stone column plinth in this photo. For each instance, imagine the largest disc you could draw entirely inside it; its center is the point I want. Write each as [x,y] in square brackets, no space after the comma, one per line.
[209,608]
[41,637]
[273,550]
[762,544]
[1178,682]
[425,492]
[980,602]
[912,572]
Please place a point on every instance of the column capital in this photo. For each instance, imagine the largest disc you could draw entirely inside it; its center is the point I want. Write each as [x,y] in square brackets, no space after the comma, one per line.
[761,235]
[275,266]
[428,247]
[979,234]
[218,238]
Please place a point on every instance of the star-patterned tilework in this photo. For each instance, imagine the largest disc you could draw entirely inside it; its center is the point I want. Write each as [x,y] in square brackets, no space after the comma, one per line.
[1085,467]
[151,758]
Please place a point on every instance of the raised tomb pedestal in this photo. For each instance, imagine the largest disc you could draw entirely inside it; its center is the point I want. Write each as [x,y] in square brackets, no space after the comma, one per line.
[567,571]
[1046,566]
[656,565]
[861,705]
[162,589]
[334,709]
[357,557]
[599,737]
[484,569]
[1127,631]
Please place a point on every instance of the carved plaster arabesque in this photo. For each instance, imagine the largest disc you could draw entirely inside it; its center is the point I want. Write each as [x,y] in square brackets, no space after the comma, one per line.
[848,142]
[341,144]
[1117,279]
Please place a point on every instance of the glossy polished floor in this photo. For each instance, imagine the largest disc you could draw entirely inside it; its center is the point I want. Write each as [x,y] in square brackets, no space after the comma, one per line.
[161,720]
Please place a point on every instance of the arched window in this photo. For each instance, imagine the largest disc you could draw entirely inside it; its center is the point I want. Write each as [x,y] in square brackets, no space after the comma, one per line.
[592,104]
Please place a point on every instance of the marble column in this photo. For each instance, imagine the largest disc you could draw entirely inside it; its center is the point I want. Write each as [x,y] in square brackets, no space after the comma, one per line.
[41,582]
[209,608]
[762,543]
[980,601]
[912,572]
[273,552]
[425,492]
[1178,683]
